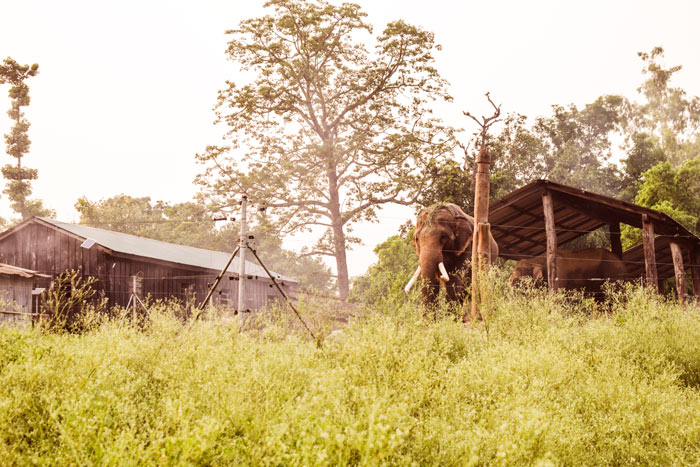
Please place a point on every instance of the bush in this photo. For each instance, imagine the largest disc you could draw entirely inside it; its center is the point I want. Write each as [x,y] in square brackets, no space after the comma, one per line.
[70,304]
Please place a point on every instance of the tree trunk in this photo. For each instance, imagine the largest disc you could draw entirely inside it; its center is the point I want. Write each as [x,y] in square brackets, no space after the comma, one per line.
[338,234]
[341,261]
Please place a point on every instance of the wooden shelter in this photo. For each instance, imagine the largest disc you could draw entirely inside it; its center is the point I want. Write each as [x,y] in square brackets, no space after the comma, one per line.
[543,215]
[127,264]
[18,293]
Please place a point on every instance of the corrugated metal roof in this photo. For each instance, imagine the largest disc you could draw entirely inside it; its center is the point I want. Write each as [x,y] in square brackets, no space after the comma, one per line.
[9,270]
[149,248]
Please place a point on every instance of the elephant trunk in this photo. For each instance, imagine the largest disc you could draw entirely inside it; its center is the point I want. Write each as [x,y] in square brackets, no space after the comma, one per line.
[434,273]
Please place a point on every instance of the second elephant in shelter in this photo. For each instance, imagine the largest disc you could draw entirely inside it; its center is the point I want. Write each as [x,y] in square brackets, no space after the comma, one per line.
[442,239]
[586,269]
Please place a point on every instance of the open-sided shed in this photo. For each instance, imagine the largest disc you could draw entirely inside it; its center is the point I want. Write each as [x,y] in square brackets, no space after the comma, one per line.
[543,215]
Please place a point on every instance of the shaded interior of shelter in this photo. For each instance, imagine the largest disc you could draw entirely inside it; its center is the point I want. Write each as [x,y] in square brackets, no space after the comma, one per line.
[518,225]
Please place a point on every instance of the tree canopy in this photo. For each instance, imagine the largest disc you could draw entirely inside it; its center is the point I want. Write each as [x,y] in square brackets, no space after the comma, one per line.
[326,130]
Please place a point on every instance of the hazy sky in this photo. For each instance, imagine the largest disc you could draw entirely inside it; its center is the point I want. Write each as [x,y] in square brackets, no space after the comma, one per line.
[126,88]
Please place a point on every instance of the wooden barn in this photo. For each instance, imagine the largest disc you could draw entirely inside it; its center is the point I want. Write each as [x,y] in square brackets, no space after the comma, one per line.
[119,261]
[18,293]
[543,213]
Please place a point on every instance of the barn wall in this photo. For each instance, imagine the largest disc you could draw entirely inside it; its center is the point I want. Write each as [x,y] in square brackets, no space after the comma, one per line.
[18,290]
[52,252]
[158,281]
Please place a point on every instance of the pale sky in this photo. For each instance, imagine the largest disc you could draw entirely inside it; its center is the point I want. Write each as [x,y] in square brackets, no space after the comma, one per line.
[126,88]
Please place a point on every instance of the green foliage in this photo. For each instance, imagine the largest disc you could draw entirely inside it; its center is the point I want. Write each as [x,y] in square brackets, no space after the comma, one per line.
[19,177]
[580,144]
[547,385]
[386,279]
[326,131]
[644,154]
[675,192]
[450,183]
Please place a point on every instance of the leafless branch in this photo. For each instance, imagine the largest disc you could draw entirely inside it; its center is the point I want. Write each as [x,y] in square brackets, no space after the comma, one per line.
[485,122]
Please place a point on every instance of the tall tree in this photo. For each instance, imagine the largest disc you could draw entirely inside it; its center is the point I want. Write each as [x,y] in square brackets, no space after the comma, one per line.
[645,153]
[667,112]
[18,177]
[326,131]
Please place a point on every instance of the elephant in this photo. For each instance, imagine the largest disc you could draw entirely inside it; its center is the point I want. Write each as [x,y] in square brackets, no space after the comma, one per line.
[442,237]
[585,269]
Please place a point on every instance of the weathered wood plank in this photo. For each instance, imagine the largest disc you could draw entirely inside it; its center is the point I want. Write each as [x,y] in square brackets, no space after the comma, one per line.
[649,253]
[549,221]
[678,268]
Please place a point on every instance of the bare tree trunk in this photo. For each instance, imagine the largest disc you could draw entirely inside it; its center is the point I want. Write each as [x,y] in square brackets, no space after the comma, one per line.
[339,244]
[341,261]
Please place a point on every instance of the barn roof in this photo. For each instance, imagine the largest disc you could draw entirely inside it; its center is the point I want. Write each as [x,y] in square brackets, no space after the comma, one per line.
[148,248]
[9,270]
[517,222]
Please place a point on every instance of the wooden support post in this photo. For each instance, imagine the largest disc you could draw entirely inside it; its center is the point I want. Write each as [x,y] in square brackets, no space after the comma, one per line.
[649,253]
[615,241]
[484,243]
[481,234]
[481,205]
[677,256]
[549,225]
[482,258]
[695,270]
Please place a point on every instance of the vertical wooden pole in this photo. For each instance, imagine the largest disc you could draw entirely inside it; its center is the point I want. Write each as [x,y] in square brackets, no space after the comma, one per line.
[243,245]
[695,270]
[484,243]
[649,253]
[615,241]
[481,193]
[481,216]
[677,256]
[550,231]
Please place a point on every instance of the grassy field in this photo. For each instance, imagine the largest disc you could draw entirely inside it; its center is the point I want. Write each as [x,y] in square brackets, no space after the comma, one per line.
[541,381]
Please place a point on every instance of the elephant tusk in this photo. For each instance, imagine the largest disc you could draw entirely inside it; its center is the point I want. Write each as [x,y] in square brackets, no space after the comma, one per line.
[443,272]
[412,281]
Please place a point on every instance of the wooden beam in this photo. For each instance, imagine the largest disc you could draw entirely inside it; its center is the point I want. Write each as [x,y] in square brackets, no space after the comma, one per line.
[677,256]
[649,253]
[549,225]
[695,270]
[615,240]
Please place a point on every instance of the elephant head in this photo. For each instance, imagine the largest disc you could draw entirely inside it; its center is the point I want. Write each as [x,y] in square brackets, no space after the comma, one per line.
[442,236]
[533,267]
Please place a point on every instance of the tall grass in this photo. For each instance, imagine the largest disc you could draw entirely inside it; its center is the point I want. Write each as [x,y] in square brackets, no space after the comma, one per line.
[542,380]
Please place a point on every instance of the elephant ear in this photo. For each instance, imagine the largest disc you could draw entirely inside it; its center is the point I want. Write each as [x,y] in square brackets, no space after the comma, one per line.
[419,226]
[464,232]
